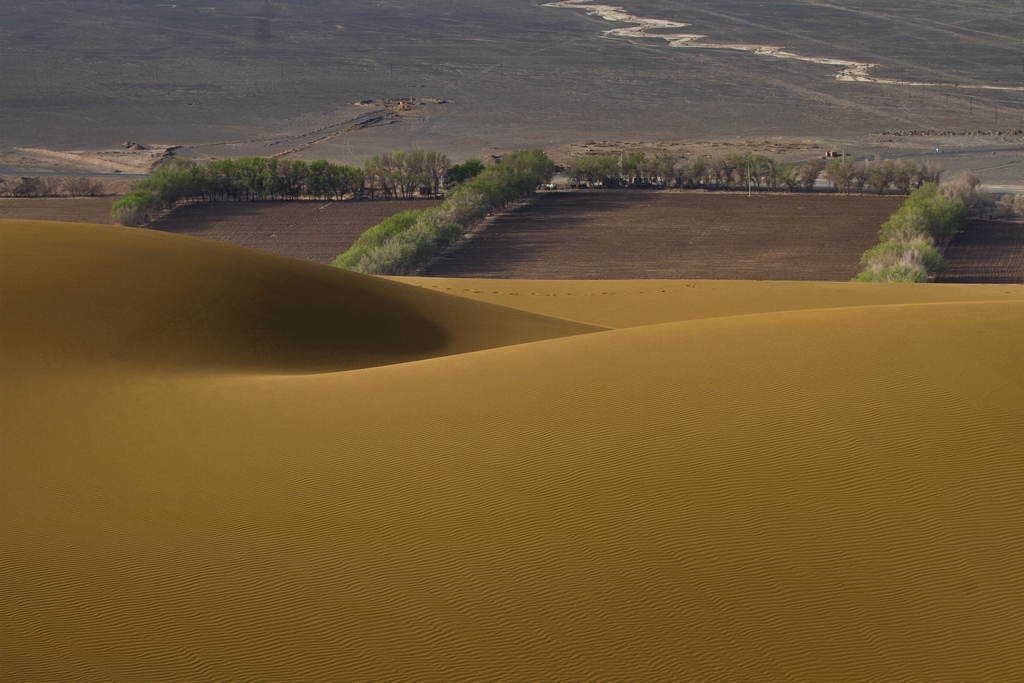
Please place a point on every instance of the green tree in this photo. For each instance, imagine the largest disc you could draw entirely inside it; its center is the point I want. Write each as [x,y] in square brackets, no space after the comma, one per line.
[879,175]
[904,173]
[460,173]
[840,174]
[809,173]
[437,166]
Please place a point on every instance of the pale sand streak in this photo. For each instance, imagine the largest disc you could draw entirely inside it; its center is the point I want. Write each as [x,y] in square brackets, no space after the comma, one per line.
[848,70]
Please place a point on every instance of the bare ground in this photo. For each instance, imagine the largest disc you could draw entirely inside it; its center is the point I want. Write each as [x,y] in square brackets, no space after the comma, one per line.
[691,235]
[312,230]
[79,83]
[989,252]
[68,209]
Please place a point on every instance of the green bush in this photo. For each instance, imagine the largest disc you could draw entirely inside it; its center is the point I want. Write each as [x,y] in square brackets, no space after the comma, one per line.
[907,251]
[921,251]
[398,244]
[942,215]
[376,236]
[460,173]
[430,232]
[925,212]
[904,226]
[900,273]
[136,208]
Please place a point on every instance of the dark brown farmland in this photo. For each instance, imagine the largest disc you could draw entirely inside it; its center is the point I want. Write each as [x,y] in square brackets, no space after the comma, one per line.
[989,252]
[67,209]
[311,230]
[686,235]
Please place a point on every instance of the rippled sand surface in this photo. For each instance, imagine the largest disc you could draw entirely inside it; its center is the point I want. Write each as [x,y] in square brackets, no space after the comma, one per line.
[218,464]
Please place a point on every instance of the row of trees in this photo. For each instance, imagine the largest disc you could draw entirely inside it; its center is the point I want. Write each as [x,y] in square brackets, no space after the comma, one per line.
[758,171]
[400,243]
[878,176]
[387,176]
[967,188]
[51,186]
[908,248]
[633,169]
[244,179]
[405,174]
[1010,205]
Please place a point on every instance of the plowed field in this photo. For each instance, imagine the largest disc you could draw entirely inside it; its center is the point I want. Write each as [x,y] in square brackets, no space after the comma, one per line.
[598,235]
[989,252]
[311,230]
[68,209]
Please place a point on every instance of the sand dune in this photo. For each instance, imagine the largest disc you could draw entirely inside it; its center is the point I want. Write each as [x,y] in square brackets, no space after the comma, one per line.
[632,303]
[819,482]
[128,298]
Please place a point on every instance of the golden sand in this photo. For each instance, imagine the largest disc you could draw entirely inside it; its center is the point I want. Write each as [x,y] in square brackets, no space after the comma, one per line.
[224,465]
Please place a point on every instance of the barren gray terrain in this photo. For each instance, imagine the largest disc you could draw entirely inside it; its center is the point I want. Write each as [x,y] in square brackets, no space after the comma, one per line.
[257,77]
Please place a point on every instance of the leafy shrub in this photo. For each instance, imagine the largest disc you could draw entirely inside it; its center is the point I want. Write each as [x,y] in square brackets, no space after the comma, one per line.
[375,237]
[460,173]
[919,253]
[399,243]
[925,212]
[132,216]
[898,273]
[907,251]
[942,214]
[904,226]
[398,254]
[136,208]
[465,205]
[964,188]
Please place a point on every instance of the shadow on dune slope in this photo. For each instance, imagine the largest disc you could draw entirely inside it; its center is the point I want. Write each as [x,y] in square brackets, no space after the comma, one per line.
[103,297]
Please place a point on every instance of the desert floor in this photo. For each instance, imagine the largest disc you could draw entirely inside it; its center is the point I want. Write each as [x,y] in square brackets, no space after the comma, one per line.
[224,464]
[320,80]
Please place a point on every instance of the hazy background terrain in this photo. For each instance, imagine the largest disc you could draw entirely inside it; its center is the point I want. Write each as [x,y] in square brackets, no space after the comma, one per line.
[89,74]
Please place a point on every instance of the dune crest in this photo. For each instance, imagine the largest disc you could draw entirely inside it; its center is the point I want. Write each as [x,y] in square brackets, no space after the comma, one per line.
[108,297]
